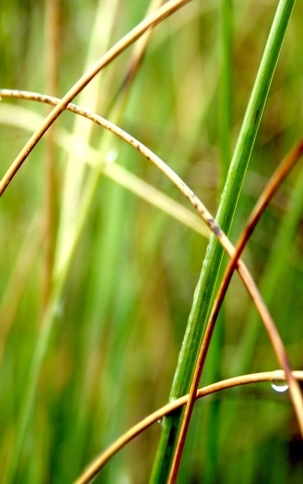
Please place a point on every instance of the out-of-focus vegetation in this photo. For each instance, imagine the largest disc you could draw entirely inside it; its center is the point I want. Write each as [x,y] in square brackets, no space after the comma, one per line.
[120,317]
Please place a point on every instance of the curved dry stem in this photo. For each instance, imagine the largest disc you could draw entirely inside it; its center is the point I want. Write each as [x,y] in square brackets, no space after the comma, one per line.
[18,117]
[99,462]
[149,22]
[272,186]
[294,390]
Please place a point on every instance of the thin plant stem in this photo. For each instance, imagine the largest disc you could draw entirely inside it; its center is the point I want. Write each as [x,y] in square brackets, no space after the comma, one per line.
[282,245]
[207,282]
[272,186]
[114,171]
[94,468]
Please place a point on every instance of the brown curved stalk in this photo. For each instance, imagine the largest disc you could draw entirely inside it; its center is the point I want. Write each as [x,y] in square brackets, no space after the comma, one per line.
[251,287]
[149,22]
[99,462]
[275,181]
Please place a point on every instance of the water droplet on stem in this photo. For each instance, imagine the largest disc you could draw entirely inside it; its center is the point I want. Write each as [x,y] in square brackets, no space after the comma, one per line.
[279,386]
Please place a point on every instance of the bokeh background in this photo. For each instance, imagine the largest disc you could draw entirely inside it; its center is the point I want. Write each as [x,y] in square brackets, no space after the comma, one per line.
[121,312]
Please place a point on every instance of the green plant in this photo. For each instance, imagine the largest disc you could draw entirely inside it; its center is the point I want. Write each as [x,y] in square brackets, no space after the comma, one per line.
[110,279]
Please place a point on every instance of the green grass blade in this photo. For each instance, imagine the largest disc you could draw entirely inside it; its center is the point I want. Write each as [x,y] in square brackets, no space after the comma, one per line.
[211,266]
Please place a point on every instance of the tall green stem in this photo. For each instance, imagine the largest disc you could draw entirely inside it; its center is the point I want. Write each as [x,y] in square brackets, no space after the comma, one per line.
[211,265]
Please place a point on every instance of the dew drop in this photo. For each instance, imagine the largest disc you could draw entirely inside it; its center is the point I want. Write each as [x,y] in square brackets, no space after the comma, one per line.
[279,386]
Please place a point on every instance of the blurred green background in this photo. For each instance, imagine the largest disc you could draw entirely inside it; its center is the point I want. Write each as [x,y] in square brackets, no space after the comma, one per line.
[120,316]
